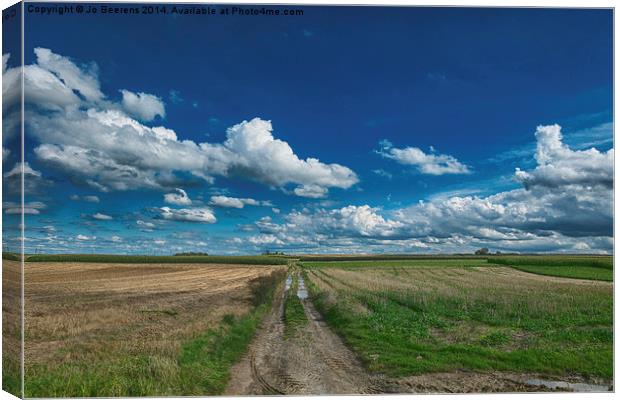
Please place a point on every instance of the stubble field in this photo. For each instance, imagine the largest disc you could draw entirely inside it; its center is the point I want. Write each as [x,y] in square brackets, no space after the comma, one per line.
[133,329]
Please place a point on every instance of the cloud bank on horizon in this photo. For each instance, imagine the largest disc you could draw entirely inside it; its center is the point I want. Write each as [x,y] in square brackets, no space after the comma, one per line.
[108,148]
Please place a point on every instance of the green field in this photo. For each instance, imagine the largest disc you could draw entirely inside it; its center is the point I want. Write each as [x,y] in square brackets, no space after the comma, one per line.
[581,267]
[577,272]
[384,257]
[408,318]
[605,262]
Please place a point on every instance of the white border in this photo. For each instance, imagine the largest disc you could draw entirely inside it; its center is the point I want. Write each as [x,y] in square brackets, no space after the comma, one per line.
[457,3]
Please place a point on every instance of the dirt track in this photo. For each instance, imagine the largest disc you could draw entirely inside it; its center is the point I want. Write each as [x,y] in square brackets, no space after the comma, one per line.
[313,361]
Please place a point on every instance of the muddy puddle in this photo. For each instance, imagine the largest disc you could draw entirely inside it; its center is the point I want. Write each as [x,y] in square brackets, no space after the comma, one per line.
[571,386]
[302,292]
[289,282]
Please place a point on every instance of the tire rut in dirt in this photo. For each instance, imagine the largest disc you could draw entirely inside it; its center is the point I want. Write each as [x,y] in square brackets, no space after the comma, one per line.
[313,360]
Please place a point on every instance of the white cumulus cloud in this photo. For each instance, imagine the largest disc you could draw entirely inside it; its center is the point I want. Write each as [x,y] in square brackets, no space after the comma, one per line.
[558,165]
[82,79]
[427,163]
[99,143]
[201,214]
[273,161]
[311,191]
[89,199]
[235,202]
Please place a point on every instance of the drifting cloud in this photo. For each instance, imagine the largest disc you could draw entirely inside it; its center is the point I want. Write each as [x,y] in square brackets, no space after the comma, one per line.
[431,164]
[83,238]
[234,202]
[33,180]
[203,214]
[96,142]
[145,225]
[143,106]
[179,198]
[17,170]
[33,207]
[383,173]
[175,97]
[89,199]
[311,191]
[102,217]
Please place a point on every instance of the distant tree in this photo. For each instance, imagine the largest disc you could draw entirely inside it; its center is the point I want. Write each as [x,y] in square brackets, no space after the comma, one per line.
[482,252]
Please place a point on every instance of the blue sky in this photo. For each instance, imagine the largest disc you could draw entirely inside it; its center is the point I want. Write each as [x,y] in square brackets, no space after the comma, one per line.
[391,130]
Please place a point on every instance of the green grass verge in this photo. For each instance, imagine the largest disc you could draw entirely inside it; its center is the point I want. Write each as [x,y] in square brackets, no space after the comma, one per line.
[294,314]
[206,360]
[201,368]
[582,267]
[605,262]
[405,333]
[112,258]
[440,263]
[579,272]
[383,257]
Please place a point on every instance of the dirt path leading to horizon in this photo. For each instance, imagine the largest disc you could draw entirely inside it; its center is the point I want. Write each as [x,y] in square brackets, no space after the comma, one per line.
[312,361]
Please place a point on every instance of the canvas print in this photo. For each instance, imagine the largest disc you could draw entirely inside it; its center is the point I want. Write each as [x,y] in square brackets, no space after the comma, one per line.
[219,199]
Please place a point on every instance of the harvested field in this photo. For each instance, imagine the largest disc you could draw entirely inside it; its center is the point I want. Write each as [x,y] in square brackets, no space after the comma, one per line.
[125,329]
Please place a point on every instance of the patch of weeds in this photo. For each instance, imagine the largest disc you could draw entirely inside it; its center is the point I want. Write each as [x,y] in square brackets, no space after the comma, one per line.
[294,314]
